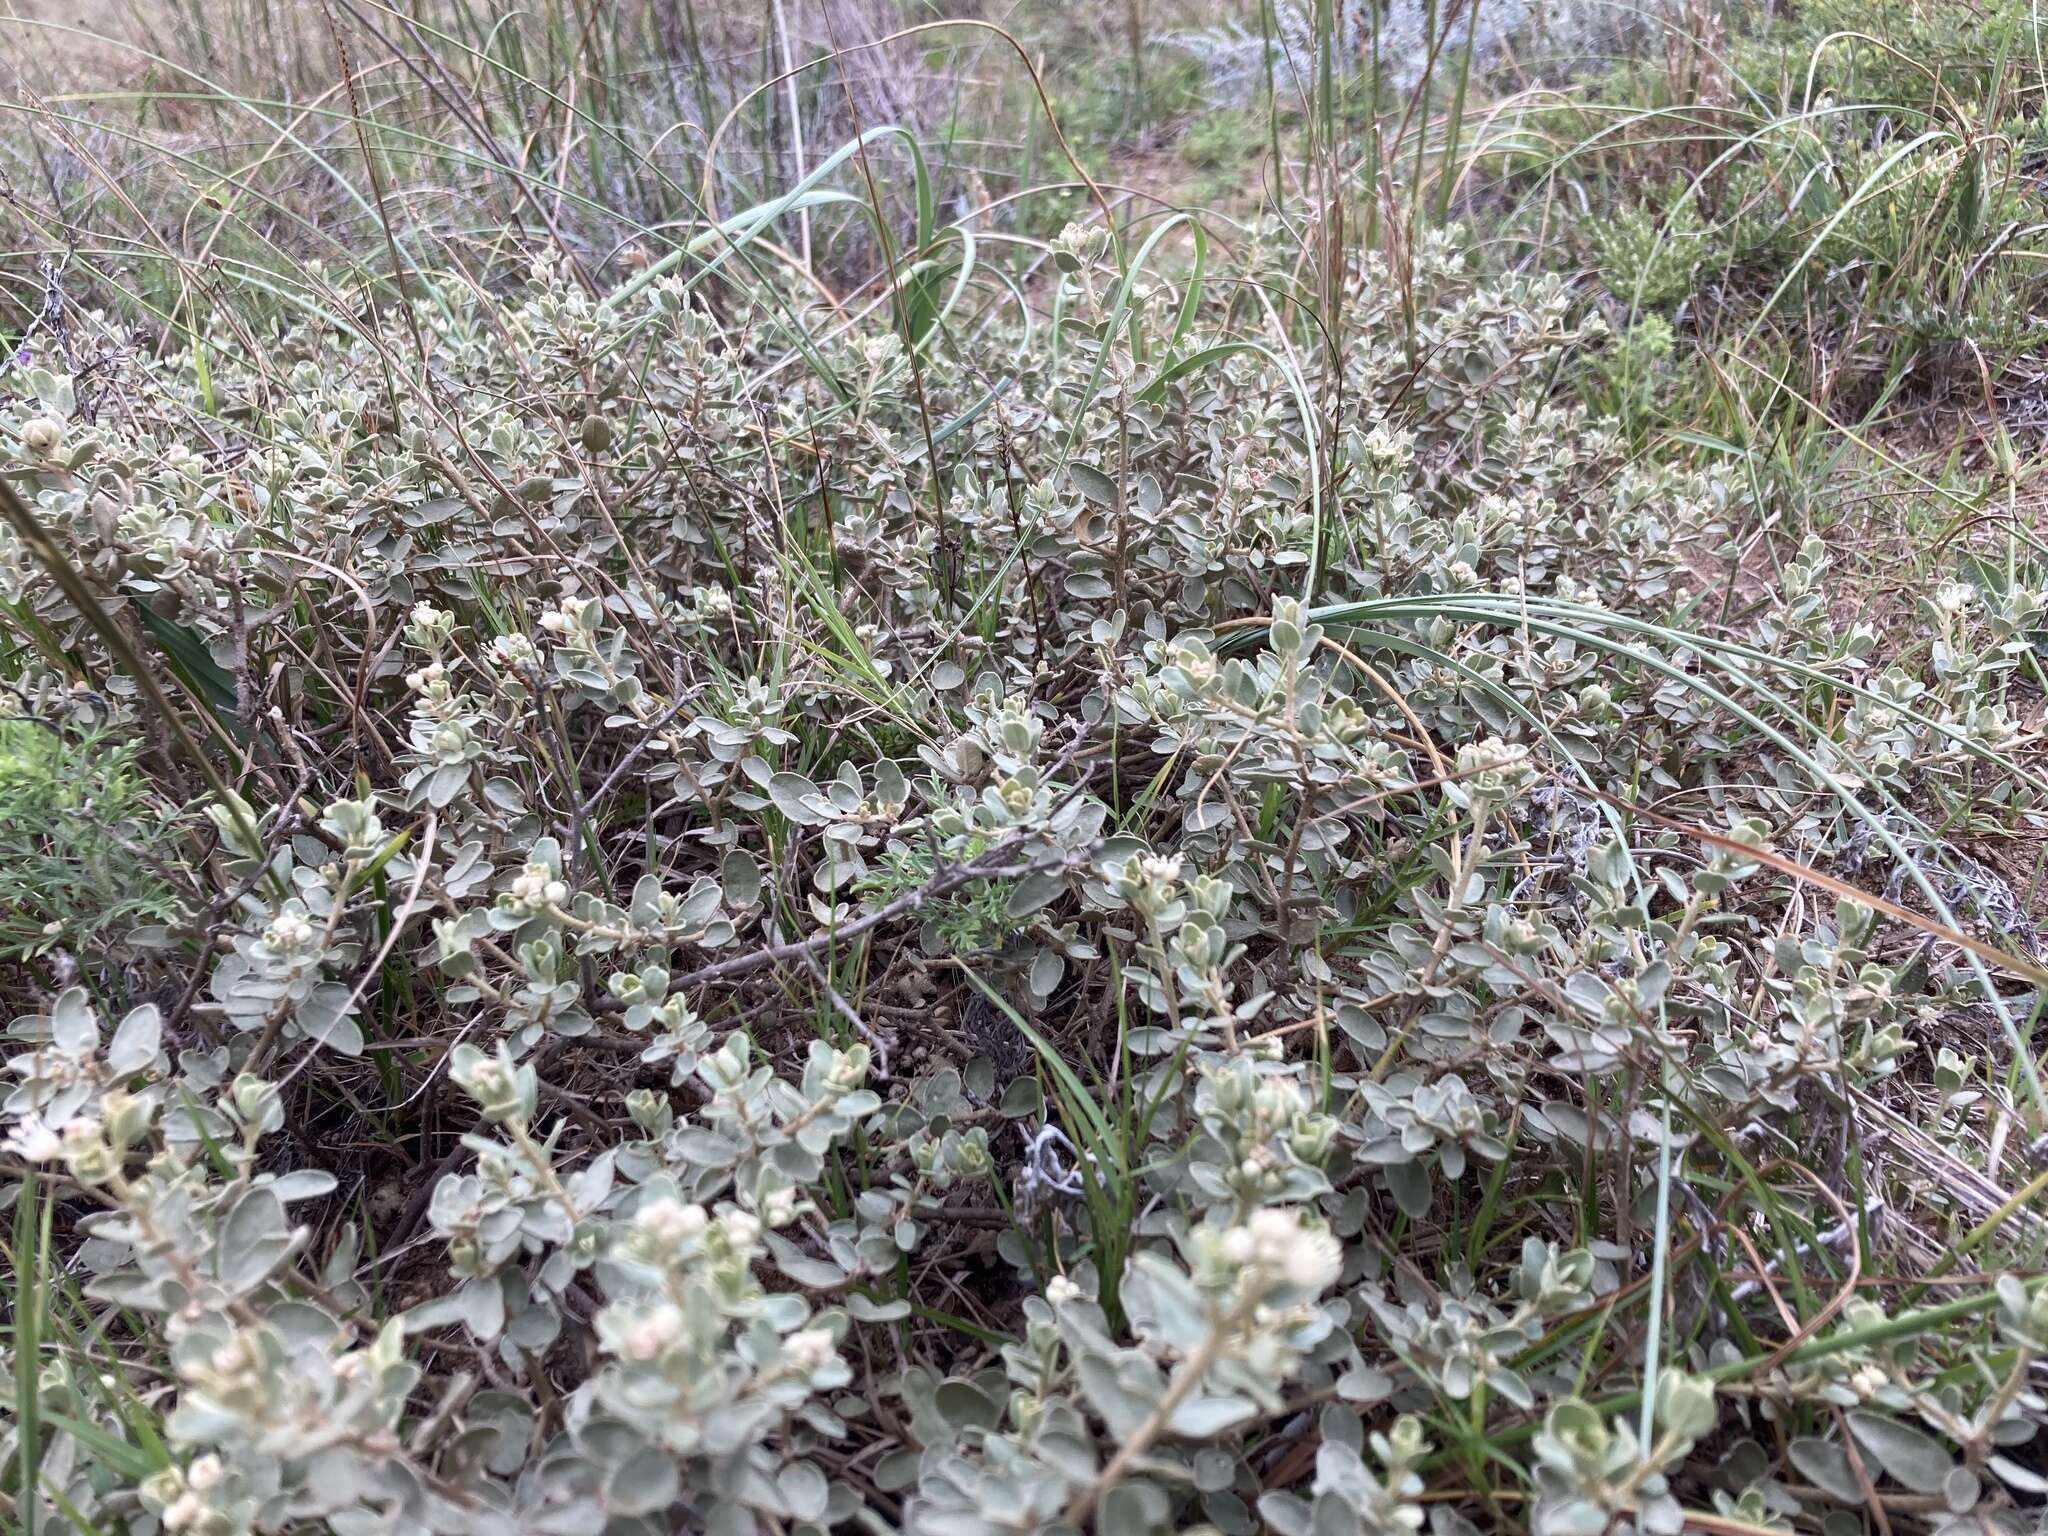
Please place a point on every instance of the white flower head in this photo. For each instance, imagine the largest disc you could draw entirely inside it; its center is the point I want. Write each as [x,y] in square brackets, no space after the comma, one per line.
[231,1358]
[808,1349]
[1238,1246]
[1162,868]
[1954,597]
[655,1334]
[537,886]
[514,651]
[669,1220]
[1315,1260]
[1309,1258]
[742,1228]
[289,933]
[33,1141]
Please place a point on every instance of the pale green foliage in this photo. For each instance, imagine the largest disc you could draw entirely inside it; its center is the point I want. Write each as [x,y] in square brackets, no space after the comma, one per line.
[82,838]
[678,723]
[1647,252]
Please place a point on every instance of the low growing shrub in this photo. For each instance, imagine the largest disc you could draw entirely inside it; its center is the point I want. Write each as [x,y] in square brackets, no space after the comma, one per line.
[930,927]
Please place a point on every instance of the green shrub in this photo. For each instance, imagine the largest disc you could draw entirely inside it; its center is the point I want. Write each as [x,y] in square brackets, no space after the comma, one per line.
[1633,378]
[1648,252]
[84,839]
[1219,139]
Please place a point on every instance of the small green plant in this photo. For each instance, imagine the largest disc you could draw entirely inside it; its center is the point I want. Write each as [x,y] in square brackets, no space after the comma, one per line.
[1648,251]
[1632,377]
[84,839]
[974,921]
[1219,139]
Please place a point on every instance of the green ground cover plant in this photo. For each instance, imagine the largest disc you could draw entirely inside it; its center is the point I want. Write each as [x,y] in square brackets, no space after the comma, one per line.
[705,829]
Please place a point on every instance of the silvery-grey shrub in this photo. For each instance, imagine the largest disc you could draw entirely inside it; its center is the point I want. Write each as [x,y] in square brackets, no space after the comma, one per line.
[792,876]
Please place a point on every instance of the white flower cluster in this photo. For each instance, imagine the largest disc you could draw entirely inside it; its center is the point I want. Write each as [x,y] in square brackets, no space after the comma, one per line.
[290,933]
[33,1141]
[189,1507]
[1273,1249]
[429,626]
[534,889]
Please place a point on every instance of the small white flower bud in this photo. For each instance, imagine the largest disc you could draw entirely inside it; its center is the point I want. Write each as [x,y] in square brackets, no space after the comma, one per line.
[778,1207]
[742,1230]
[808,1349]
[654,1334]
[87,1156]
[669,1220]
[288,933]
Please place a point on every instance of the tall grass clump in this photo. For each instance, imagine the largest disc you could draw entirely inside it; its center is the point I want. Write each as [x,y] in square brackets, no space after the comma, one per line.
[713,835]
[1846,195]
